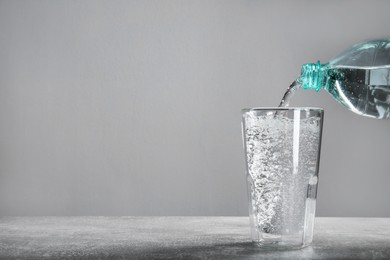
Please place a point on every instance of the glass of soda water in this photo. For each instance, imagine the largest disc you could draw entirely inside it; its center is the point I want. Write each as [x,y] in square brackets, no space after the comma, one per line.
[282,150]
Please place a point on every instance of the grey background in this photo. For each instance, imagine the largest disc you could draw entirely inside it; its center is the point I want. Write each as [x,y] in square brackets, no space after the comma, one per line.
[133,107]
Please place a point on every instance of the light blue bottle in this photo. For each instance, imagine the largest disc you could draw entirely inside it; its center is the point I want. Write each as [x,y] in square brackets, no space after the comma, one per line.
[358,78]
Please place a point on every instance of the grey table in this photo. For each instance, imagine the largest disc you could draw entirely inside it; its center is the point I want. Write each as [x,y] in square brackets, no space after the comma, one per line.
[181,238]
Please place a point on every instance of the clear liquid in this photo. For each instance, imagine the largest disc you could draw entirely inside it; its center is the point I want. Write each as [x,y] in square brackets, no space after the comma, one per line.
[364,91]
[288,94]
[282,175]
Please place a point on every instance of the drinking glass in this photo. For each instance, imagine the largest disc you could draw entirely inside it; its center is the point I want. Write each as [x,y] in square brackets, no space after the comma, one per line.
[282,150]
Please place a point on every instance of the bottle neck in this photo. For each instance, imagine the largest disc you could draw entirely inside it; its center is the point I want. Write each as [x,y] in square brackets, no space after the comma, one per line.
[313,75]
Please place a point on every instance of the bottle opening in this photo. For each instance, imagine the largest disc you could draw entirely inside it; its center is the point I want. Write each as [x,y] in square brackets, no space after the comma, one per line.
[312,75]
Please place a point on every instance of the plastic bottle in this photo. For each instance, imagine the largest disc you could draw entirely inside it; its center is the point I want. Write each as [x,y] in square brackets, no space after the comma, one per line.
[358,78]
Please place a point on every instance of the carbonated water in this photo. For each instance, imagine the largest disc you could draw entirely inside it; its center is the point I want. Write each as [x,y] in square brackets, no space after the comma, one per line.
[282,160]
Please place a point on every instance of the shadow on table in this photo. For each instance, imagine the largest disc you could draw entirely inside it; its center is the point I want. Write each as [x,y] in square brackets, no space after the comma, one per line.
[246,250]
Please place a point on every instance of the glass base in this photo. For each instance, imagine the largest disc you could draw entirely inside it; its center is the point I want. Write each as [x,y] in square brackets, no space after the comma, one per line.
[268,241]
[278,246]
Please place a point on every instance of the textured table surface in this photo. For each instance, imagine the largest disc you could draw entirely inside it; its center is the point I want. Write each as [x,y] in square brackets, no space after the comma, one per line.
[181,238]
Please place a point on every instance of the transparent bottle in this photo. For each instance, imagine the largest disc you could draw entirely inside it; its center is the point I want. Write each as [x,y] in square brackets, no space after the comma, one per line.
[358,78]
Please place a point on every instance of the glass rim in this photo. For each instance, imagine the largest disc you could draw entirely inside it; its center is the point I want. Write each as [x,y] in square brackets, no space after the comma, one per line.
[254,109]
